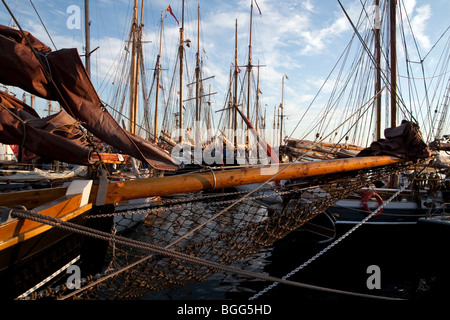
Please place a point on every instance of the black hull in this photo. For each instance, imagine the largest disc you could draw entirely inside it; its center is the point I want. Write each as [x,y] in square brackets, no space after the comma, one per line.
[26,264]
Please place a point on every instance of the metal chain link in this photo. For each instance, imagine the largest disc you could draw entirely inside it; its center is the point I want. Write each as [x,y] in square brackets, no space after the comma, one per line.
[161,205]
[287,276]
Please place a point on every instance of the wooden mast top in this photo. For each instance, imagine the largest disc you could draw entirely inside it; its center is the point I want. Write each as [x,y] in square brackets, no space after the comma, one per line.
[133,72]
[249,71]
[87,38]
[158,79]
[393,31]
[181,54]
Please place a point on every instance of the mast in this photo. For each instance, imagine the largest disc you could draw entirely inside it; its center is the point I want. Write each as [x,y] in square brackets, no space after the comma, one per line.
[281,111]
[274,139]
[249,69]
[393,31]
[181,53]
[208,123]
[257,100]
[377,26]
[158,76]
[197,70]
[236,68]
[87,38]
[257,108]
[138,62]
[133,88]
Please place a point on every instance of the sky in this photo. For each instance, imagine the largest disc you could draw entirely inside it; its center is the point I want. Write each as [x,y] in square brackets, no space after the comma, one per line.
[300,41]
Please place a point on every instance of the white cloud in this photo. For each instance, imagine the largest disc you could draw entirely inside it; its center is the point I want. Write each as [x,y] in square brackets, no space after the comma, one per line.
[307,5]
[419,24]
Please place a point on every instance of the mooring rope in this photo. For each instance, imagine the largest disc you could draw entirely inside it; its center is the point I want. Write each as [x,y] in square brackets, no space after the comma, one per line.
[72,227]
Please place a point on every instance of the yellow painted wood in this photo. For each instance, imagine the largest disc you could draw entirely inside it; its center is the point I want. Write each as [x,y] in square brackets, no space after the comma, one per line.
[18,230]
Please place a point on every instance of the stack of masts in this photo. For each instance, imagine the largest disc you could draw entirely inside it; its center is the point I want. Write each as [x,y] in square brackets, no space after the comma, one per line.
[240,115]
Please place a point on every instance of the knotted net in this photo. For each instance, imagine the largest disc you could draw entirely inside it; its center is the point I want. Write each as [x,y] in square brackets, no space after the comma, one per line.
[211,231]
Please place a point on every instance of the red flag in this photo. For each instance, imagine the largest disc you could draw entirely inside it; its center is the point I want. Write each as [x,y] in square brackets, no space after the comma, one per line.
[161,87]
[171,12]
[260,91]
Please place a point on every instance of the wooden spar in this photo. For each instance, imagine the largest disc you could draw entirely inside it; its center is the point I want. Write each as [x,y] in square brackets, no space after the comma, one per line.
[393,62]
[197,72]
[116,158]
[158,79]
[181,53]
[133,72]
[377,27]
[236,72]
[193,182]
[249,73]
[87,37]
[441,146]
[308,144]
[282,107]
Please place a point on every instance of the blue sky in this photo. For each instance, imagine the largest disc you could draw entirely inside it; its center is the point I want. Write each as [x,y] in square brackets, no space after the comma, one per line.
[300,39]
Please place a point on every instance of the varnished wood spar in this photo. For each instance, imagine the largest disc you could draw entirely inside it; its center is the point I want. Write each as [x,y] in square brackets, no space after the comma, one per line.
[309,143]
[141,188]
[444,146]
[111,158]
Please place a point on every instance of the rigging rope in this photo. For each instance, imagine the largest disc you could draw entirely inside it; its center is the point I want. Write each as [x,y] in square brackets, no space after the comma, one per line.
[42,22]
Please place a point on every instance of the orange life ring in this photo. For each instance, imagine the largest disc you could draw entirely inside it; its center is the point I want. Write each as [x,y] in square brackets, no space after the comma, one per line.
[370,195]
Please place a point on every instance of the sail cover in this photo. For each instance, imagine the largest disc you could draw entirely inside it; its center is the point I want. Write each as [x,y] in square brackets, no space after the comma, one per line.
[59,75]
[404,141]
[55,137]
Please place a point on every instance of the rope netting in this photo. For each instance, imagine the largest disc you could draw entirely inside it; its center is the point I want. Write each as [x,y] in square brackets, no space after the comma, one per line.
[187,238]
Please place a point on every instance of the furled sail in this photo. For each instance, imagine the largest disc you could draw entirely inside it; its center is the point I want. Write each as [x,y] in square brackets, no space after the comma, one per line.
[60,75]
[55,137]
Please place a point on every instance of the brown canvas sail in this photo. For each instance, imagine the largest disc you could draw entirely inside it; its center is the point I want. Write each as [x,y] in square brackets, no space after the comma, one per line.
[60,75]
[55,137]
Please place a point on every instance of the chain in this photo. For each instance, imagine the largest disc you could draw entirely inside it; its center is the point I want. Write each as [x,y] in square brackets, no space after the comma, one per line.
[161,205]
[373,213]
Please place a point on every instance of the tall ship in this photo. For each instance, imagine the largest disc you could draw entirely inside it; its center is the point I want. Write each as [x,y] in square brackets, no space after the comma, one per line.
[138,219]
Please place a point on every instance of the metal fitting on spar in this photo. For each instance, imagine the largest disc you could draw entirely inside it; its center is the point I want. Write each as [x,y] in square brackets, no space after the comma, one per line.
[246,309]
